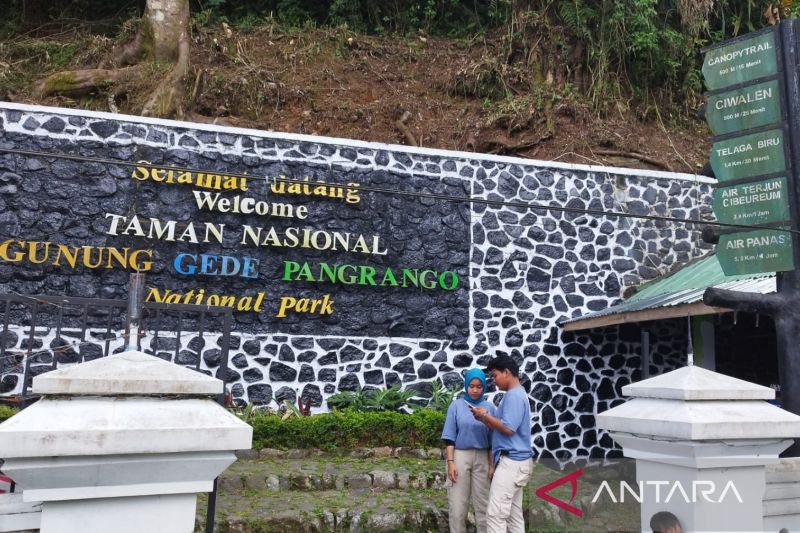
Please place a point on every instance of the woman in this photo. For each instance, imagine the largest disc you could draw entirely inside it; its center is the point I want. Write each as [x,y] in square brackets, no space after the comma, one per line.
[469,454]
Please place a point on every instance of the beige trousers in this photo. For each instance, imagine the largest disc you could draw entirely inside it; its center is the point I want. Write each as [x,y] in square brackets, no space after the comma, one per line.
[473,479]
[504,514]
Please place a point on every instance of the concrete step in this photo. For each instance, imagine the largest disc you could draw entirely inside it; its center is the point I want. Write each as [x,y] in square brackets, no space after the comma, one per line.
[384,512]
[789,506]
[775,523]
[784,471]
[376,495]
[782,491]
[319,473]
[16,515]
[347,479]
[350,521]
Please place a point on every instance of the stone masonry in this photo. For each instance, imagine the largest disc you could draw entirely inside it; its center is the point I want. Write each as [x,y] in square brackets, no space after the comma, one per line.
[520,269]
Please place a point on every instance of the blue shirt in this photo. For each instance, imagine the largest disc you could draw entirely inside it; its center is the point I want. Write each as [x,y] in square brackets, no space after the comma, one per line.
[515,414]
[462,428]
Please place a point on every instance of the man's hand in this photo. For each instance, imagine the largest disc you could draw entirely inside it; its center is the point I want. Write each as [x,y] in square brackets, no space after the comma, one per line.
[479,413]
[491,471]
[452,471]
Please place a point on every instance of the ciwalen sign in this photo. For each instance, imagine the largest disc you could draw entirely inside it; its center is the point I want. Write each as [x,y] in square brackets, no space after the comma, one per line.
[747,114]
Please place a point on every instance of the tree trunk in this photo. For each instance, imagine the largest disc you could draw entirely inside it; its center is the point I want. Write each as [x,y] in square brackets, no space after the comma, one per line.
[166,30]
[166,24]
[163,38]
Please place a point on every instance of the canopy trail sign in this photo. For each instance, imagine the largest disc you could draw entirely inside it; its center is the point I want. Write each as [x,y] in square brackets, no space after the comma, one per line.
[741,60]
[750,156]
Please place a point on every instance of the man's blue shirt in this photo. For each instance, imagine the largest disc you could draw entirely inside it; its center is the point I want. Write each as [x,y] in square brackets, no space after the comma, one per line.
[515,414]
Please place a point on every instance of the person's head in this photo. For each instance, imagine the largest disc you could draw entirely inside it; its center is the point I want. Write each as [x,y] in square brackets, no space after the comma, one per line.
[505,371]
[665,522]
[474,385]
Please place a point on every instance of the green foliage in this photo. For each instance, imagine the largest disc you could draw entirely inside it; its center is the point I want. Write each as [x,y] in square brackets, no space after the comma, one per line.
[631,43]
[442,397]
[7,412]
[367,400]
[347,13]
[348,429]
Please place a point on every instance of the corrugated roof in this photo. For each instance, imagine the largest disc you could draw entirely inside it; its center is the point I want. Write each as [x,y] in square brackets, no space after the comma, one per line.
[686,286]
[700,274]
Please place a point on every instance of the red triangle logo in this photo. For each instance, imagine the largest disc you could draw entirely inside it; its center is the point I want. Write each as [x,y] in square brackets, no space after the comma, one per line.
[572,479]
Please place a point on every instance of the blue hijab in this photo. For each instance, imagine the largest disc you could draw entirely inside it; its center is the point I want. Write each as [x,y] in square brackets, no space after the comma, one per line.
[474,373]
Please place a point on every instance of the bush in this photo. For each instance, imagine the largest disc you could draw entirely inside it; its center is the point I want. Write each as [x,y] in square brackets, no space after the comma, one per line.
[392,399]
[6,412]
[349,429]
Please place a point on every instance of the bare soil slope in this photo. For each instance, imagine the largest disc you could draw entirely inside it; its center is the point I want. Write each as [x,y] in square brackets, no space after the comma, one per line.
[434,92]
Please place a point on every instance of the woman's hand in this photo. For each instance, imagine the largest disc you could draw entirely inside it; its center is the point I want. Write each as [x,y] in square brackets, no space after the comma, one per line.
[452,471]
[491,471]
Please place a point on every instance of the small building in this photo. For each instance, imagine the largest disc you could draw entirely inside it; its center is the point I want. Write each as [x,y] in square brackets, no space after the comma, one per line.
[665,311]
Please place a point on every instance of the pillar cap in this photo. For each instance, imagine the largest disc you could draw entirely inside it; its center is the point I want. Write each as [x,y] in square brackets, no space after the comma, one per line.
[696,383]
[692,403]
[127,373]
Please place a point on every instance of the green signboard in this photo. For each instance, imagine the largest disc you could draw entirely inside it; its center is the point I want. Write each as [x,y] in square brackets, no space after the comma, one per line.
[760,202]
[748,155]
[740,61]
[744,108]
[753,252]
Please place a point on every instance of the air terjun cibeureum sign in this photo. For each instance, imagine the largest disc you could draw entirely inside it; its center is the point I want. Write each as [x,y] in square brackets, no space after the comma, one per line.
[760,202]
[749,155]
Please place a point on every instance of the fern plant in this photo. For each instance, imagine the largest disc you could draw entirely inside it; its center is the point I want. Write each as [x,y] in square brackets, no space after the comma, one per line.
[391,399]
[355,400]
[441,396]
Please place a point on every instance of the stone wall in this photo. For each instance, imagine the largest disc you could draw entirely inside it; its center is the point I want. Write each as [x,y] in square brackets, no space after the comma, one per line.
[520,270]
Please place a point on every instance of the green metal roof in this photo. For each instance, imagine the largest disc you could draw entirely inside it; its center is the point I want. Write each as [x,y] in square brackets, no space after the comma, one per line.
[703,273]
[674,295]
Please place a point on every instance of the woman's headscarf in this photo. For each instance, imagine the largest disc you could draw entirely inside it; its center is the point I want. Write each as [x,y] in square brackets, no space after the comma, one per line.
[474,373]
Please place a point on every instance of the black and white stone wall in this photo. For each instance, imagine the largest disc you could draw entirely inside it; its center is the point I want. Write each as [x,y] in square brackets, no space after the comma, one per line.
[522,269]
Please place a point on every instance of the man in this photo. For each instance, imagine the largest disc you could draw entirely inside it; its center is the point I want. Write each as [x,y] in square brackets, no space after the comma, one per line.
[511,448]
[666,522]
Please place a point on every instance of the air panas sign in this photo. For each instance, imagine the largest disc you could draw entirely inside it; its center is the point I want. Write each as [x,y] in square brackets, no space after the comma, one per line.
[744,77]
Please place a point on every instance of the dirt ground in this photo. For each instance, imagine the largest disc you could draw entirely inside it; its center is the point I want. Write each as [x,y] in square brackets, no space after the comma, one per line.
[434,92]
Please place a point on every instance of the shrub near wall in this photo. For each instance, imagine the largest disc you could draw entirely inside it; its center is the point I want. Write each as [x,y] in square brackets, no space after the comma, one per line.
[349,429]
[6,413]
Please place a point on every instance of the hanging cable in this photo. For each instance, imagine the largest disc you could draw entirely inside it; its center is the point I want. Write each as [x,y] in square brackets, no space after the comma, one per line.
[457,199]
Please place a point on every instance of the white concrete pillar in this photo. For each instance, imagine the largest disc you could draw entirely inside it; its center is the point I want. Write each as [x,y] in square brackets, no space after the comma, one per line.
[706,439]
[122,443]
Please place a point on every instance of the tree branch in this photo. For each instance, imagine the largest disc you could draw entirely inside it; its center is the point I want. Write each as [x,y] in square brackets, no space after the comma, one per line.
[765,304]
[636,155]
[400,124]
